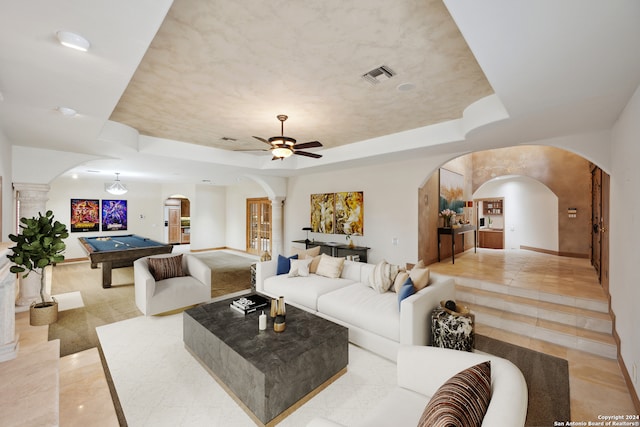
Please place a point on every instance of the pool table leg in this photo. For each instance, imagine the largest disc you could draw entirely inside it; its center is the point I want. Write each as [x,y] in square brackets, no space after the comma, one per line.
[106,274]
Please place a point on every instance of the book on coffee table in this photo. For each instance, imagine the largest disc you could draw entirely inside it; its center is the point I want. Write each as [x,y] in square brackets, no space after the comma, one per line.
[249,303]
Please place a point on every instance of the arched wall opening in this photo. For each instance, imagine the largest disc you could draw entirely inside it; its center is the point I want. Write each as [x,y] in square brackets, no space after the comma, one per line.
[529,212]
[565,174]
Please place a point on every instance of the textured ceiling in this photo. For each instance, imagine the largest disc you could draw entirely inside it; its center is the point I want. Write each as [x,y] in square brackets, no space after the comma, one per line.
[220,69]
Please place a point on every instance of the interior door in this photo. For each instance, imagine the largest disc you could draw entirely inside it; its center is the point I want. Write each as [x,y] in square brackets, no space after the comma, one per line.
[174,224]
[596,219]
[258,226]
[604,233]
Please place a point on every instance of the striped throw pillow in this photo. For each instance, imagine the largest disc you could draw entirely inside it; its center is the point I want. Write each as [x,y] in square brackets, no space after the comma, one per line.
[462,401]
[166,267]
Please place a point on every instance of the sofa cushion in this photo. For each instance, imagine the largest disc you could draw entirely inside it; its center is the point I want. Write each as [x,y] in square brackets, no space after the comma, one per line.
[284,264]
[420,277]
[165,267]
[462,400]
[300,267]
[361,306]
[399,281]
[406,290]
[330,266]
[306,253]
[303,290]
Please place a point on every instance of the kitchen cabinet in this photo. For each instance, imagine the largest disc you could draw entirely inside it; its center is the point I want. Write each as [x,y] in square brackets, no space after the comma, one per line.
[491,238]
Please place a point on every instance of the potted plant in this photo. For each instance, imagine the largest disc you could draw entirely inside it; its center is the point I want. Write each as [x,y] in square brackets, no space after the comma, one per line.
[39,244]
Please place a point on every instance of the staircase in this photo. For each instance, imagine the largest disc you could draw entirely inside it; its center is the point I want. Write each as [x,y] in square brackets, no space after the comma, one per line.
[578,323]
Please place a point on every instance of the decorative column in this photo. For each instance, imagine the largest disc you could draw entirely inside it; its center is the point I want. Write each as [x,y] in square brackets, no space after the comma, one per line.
[277,229]
[32,199]
[8,338]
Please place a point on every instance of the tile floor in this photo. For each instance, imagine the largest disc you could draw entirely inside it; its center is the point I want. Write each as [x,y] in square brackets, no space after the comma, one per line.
[597,385]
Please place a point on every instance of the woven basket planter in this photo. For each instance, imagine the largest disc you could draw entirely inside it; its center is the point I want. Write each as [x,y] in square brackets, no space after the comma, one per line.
[43,313]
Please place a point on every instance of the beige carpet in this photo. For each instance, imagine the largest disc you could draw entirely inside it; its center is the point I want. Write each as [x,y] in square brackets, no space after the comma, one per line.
[76,328]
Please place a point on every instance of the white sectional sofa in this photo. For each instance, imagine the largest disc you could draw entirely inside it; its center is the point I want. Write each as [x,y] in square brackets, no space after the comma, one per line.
[375,320]
[422,370]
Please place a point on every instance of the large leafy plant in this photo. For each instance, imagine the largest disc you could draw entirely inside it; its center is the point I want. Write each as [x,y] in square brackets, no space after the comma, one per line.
[39,244]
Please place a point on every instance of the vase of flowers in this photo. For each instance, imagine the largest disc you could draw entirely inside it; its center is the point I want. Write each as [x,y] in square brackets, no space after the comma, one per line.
[448,216]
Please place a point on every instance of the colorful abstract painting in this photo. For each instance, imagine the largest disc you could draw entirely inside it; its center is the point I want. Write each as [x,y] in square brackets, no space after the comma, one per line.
[322,218]
[349,208]
[114,215]
[451,191]
[85,215]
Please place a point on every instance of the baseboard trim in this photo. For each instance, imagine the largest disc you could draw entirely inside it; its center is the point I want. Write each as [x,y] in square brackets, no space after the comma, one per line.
[625,374]
[556,253]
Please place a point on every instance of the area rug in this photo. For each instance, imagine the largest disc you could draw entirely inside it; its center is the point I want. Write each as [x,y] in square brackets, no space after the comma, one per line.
[76,328]
[159,383]
[547,380]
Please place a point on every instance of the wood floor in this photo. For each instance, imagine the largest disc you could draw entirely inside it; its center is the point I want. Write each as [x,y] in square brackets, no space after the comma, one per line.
[597,385]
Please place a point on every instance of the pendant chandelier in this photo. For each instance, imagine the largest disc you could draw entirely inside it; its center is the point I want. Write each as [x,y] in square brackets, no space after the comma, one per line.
[116,187]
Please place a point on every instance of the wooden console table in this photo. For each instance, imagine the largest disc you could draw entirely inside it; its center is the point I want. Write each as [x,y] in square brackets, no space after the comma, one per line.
[453,232]
[337,249]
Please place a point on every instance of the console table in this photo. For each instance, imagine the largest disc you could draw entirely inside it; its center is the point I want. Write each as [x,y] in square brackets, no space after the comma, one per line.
[337,249]
[453,232]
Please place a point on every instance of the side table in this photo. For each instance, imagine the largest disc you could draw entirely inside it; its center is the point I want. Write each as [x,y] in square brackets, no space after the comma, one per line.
[454,331]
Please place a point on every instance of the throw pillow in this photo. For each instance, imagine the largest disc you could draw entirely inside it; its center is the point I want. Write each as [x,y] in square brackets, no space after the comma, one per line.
[165,267]
[399,281]
[313,267]
[306,253]
[379,279]
[284,264]
[462,400]
[330,266]
[405,291]
[420,277]
[300,267]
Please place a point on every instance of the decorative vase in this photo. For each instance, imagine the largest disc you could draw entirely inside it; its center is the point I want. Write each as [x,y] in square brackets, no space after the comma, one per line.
[41,314]
[279,324]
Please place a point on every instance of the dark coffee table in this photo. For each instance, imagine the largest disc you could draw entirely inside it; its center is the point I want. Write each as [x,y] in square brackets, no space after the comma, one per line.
[269,374]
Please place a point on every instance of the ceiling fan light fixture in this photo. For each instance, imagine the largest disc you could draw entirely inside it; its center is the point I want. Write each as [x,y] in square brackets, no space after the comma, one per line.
[116,188]
[282,152]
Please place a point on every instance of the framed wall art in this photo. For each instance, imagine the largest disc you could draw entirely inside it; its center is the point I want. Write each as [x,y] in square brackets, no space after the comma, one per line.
[322,212]
[85,215]
[114,215]
[349,213]
[451,191]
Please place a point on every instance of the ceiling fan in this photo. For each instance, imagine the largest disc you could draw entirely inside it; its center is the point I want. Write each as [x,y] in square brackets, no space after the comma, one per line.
[283,146]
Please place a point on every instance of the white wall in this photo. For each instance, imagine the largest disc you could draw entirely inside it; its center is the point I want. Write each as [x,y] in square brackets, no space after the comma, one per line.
[7,191]
[390,206]
[142,199]
[208,219]
[624,273]
[236,212]
[530,212]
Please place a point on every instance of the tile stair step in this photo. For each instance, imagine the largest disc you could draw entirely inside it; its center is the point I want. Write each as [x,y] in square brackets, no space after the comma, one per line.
[561,313]
[598,343]
[592,304]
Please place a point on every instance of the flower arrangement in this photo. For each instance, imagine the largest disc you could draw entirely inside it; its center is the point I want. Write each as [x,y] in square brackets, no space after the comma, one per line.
[448,215]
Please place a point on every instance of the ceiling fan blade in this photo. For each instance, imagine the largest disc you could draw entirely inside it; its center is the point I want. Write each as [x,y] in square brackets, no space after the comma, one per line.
[254,149]
[262,139]
[311,144]
[304,153]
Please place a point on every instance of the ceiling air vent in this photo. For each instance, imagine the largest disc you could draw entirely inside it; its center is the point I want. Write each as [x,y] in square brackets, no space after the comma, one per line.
[379,74]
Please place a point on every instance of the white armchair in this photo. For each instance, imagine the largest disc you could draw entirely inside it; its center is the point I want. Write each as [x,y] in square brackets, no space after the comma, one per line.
[169,294]
[422,370]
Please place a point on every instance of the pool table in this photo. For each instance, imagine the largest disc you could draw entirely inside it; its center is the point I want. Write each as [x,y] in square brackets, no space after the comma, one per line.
[119,251]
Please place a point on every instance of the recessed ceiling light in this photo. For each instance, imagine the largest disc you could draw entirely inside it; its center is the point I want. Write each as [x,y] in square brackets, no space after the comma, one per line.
[405,87]
[73,40]
[66,111]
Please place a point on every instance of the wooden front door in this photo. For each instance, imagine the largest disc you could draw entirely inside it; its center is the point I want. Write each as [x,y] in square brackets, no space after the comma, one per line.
[258,226]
